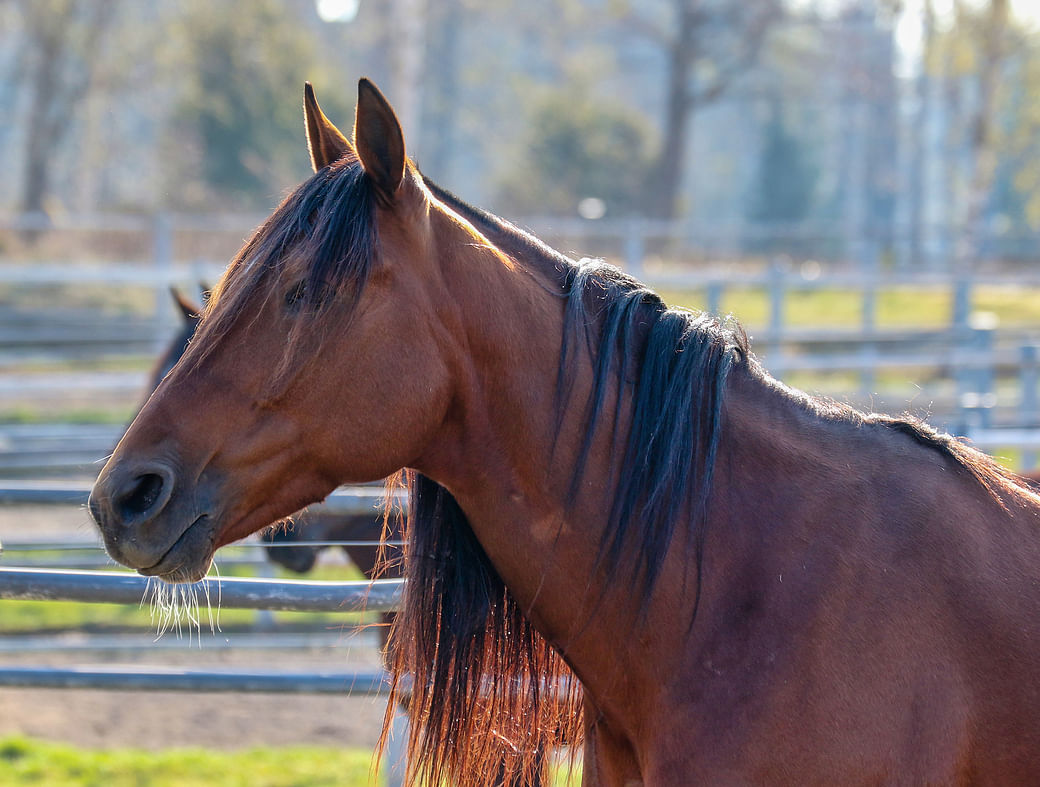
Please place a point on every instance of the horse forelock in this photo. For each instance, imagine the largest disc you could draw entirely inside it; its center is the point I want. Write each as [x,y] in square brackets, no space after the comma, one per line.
[316,250]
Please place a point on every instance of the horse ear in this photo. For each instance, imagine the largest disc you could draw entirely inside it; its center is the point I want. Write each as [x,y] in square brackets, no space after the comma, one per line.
[378,138]
[188,309]
[325,142]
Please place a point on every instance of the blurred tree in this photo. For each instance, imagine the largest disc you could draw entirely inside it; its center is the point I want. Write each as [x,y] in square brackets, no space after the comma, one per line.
[786,181]
[991,50]
[1022,166]
[240,106]
[57,64]
[973,58]
[578,147]
[707,44]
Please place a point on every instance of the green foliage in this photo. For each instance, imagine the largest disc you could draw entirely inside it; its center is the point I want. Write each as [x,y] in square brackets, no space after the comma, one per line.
[240,110]
[579,146]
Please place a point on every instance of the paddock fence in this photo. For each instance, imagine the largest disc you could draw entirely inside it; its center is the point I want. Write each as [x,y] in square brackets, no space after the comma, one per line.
[19,582]
[35,583]
[229,593]
[971,372]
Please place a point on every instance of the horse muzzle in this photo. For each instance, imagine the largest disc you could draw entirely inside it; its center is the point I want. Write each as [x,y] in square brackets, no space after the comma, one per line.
[149,525]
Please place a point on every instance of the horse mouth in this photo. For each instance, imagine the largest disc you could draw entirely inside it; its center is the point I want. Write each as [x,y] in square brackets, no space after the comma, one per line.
[188,558]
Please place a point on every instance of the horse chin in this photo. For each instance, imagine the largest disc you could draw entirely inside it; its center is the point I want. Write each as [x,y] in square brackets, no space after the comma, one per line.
[190,556]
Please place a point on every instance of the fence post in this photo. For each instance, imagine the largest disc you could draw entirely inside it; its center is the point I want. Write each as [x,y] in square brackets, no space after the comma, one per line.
[868,317]
[162,249]
[397,749]
[777,285]
[635,247]
[975,381]
[1027,408]
[960,316]
[714,296]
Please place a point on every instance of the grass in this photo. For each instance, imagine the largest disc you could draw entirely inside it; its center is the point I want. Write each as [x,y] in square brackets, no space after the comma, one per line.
[36,617]
[29,413]
[897,307]
[26,762]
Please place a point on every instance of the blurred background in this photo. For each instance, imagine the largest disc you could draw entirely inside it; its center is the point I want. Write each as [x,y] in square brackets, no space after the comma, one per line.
[856,181]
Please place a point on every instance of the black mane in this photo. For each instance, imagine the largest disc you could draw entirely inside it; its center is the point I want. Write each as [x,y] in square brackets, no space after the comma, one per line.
[672,363]
[328,221]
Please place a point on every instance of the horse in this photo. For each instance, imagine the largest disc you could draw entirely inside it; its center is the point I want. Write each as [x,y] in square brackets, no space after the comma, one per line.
[620,528]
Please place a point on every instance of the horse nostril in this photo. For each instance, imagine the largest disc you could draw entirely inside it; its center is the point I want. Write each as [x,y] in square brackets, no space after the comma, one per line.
[139,500]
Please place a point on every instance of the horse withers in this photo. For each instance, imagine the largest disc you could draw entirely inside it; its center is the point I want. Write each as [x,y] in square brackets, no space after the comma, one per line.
[619,524]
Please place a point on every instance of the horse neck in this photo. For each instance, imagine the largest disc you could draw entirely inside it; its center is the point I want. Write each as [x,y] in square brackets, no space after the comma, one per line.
[509,464]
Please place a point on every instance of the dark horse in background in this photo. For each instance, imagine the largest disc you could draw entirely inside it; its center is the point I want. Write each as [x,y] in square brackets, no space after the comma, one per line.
[618,523]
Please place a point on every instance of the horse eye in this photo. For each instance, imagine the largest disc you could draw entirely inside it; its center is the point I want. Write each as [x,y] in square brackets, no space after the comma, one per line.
[294,296]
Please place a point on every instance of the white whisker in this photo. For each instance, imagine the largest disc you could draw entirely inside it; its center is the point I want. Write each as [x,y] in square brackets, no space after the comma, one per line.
[175,607]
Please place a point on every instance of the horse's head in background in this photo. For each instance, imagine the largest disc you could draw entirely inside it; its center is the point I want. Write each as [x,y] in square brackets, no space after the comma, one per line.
[315,363]
[190,315]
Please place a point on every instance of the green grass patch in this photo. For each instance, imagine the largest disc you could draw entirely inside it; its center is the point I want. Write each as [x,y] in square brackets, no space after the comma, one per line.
[29,762]
[897,307]
[1013,305]
[105,363]
[25,762]
[27,413]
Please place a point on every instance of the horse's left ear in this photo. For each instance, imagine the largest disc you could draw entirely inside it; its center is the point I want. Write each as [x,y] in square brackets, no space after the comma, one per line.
[378,139]
[325,142]
[188,309]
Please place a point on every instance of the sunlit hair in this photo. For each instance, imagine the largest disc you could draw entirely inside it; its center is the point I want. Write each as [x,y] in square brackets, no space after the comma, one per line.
[327,227]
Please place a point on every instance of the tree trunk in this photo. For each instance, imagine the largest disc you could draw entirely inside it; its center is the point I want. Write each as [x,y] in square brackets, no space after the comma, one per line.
[43,75]
[667,170]
[982,157]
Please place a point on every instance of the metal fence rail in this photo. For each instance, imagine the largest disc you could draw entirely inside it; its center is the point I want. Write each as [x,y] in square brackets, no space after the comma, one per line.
[30,584]
[346,500]
[130,678]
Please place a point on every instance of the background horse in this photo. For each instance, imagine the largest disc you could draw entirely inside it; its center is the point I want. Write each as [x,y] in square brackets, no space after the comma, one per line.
[749,585]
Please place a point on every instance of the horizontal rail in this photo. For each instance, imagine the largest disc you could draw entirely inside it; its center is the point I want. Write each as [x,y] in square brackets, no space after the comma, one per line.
[132,678]
[56,545]
[1005,438]
[348,500]
[80,642]
[29,584]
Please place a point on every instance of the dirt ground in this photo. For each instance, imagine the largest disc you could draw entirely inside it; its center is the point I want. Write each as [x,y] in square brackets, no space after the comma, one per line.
[157,720]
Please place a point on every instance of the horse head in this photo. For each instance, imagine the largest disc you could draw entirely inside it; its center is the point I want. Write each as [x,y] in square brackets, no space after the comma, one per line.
[317,362]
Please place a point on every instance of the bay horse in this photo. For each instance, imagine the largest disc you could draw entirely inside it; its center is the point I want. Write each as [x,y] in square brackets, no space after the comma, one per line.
[619,525]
